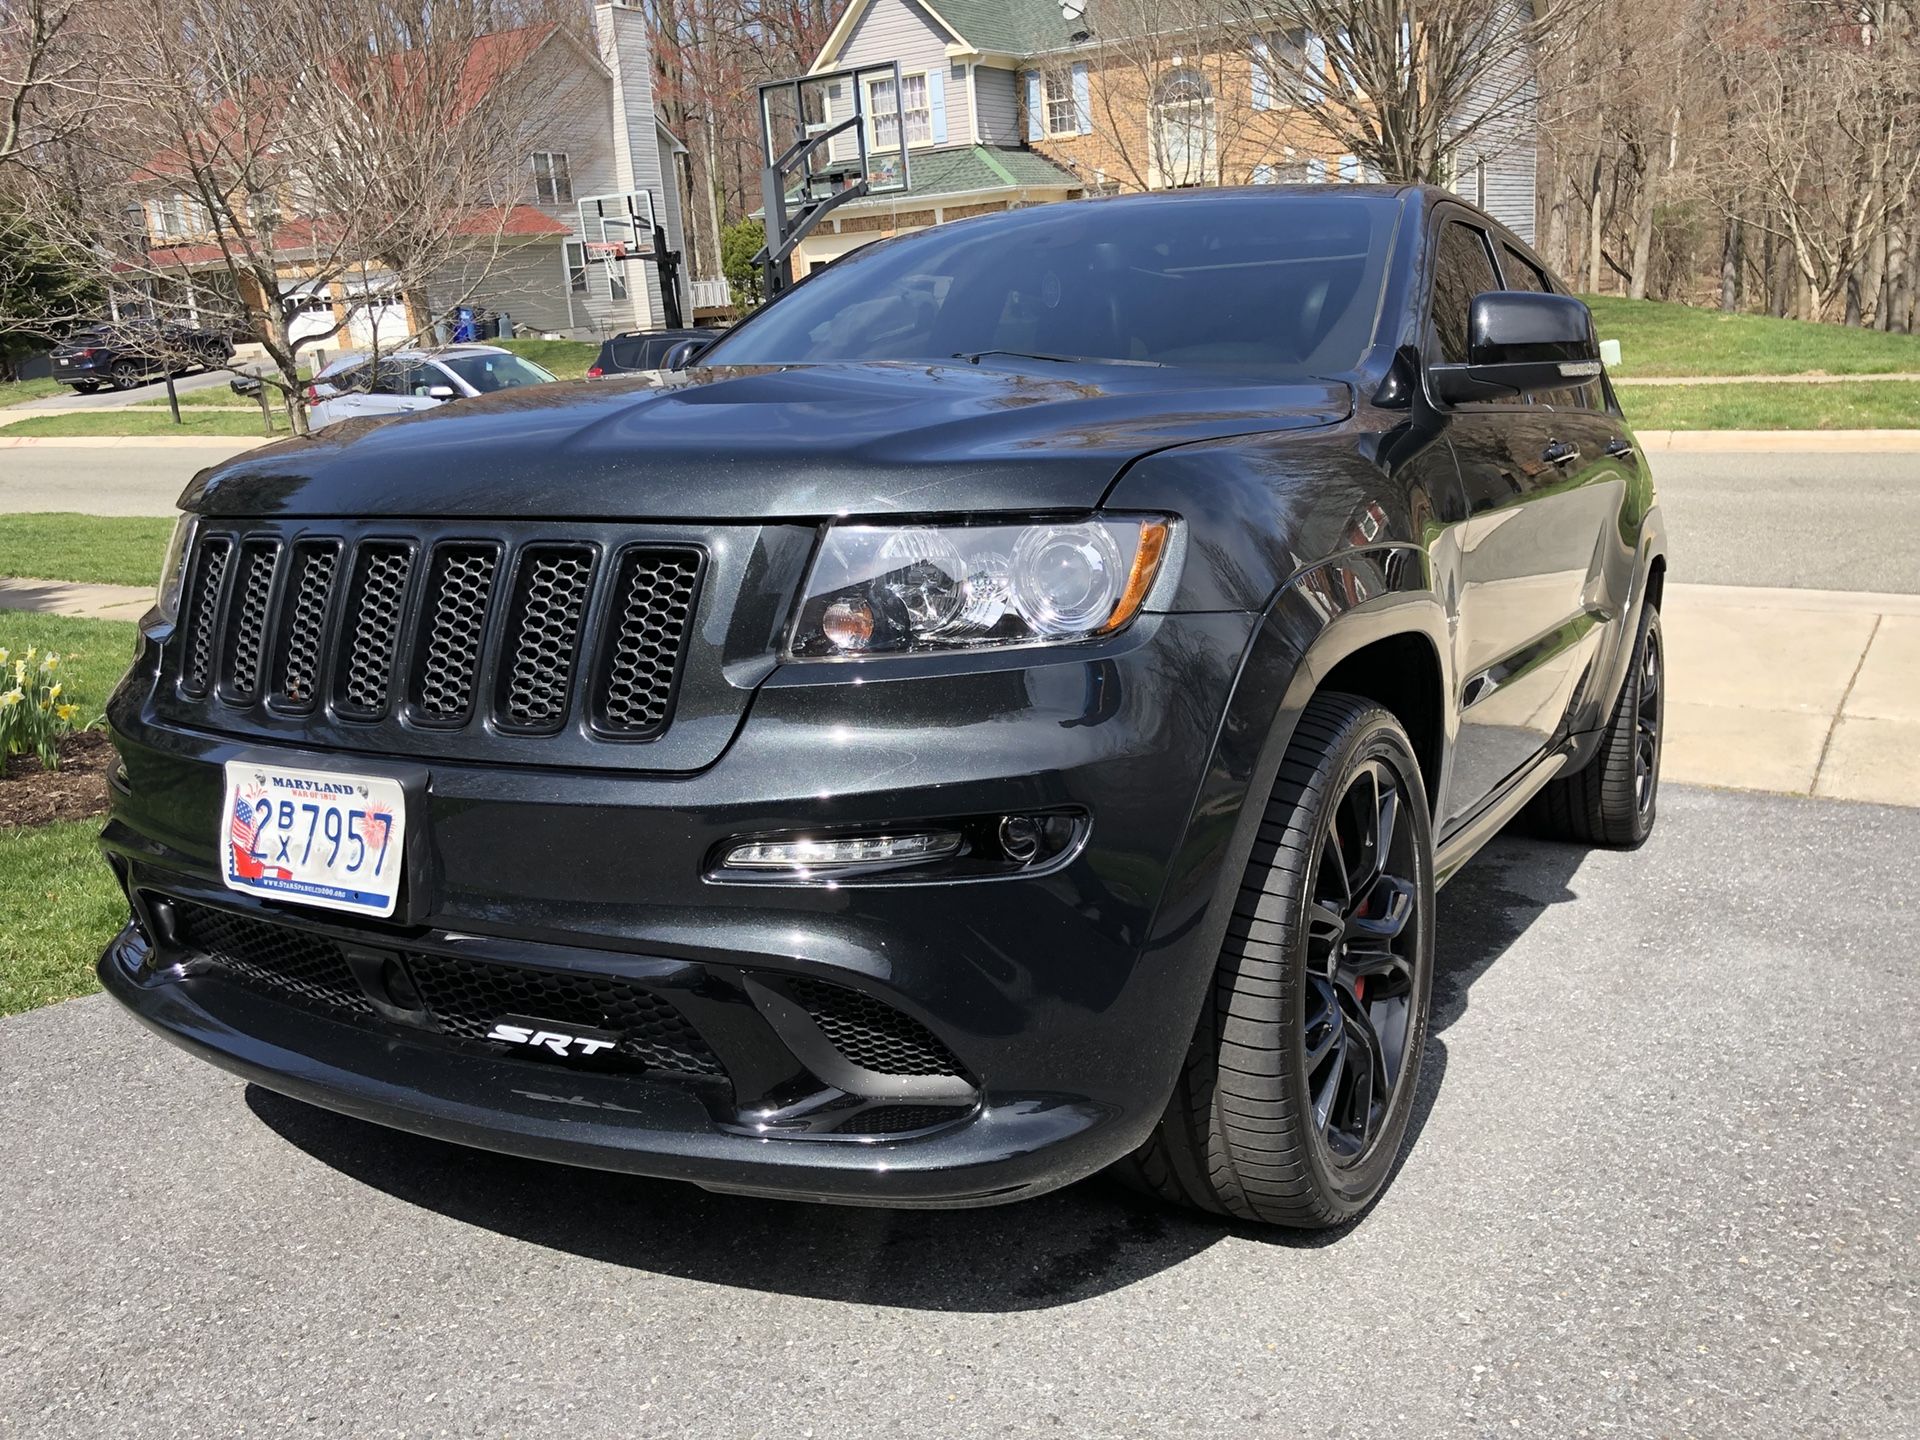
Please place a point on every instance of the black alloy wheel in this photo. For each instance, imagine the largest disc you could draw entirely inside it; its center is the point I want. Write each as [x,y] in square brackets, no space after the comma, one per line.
[1614,798]
[1648,714]
[1358,999]
[1300,1081]
[126,375]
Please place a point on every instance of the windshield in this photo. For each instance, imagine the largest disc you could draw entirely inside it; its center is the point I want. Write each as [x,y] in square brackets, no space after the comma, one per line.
[487,373]
[1285,284]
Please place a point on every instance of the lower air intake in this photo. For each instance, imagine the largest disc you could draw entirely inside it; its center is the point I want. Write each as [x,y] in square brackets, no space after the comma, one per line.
[873,1035]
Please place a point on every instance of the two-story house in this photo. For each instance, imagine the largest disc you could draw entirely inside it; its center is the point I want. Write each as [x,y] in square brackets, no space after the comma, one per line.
[537,258]
[1016,102]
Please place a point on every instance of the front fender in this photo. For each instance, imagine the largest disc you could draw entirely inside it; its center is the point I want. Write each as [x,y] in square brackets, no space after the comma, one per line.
[1319,618]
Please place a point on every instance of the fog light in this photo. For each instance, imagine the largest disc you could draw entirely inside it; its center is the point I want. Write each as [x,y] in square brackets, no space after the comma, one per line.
[1020,837]
[801,854]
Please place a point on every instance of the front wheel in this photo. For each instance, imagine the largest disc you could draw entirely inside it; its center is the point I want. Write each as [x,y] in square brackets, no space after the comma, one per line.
[1300,1080]
[1612,799]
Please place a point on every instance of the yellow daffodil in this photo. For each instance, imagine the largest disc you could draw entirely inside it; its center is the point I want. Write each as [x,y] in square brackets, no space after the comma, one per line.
[67,712]
[54,693]
[51,661]
[32,651]
[11,699]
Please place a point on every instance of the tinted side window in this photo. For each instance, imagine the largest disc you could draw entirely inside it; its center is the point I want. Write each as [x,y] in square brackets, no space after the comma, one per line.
[1522,273]
[1463,268]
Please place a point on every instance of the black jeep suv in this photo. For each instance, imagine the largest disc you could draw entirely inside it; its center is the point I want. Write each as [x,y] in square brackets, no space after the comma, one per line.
[1003,712]
[123,355]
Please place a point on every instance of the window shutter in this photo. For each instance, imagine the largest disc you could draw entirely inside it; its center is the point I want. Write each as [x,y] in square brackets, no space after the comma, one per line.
[1262,80]
[1036,114]
[1083,99]
[937,104]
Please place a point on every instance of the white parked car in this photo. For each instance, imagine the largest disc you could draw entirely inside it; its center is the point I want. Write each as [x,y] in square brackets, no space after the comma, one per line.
[355,386]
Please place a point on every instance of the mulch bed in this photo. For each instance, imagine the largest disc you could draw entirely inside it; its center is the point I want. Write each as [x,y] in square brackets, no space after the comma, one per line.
[76,791]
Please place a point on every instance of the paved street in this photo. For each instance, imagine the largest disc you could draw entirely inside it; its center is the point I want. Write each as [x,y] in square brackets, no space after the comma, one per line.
[95,479]
[1821,522]
[1827,522]
[111,399]
[1665,1184]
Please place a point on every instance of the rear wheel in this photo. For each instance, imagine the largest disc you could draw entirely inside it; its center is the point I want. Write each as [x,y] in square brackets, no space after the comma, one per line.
[1612,799]
[125,374]
[1297,1089]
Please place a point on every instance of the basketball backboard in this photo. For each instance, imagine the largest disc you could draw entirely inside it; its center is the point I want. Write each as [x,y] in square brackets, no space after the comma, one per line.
[624,219]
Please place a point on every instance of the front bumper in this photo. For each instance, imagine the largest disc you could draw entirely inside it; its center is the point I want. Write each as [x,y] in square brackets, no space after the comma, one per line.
[1064,997]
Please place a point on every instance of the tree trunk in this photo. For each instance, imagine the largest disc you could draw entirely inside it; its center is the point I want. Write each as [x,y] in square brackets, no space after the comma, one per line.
[1643,234]
[1593,231]
[1732,261]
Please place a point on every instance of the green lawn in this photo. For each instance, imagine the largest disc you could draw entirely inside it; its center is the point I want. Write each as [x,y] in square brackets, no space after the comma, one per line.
[1867,405]
[217,397]
[61,906]
[13,392]
[567,359]
[96,549]
[1658,338]
[145,422]
[95,654]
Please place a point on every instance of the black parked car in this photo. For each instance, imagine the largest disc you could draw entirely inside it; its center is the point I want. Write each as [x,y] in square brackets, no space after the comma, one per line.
[1004,712]
[121,356]
[635,350]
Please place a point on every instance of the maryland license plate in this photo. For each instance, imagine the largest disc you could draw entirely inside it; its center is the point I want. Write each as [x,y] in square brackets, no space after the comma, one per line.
[317,837]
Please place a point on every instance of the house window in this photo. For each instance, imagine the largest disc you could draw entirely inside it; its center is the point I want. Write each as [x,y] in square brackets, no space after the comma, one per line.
[576,267]
[914,107]
[552,184]
[617,280]
[1184,129]
[1063,115]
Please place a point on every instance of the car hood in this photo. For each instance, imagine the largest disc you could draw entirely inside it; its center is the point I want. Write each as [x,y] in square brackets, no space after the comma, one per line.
[777,442]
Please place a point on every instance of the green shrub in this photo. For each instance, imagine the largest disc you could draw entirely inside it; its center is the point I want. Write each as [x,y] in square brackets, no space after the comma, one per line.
[33,716]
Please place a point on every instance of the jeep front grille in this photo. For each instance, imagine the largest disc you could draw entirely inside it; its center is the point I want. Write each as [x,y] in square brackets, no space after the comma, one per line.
[399,635]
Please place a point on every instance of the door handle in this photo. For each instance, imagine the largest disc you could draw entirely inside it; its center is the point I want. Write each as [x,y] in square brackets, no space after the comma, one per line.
[1620,449]
[1559,452]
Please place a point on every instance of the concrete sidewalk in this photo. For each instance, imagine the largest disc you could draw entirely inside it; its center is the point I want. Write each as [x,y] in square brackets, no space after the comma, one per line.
[1806,692]
[1810,692]
[1812,379]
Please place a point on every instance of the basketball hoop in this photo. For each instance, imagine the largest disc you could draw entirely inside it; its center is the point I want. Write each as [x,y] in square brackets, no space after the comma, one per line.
[607,249]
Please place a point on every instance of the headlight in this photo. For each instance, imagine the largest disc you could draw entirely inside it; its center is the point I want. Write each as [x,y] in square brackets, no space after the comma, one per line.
[886,589]
[173,570]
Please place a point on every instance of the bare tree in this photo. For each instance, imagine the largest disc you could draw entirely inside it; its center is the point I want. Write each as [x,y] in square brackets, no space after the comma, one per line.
[1404,86]
[49,86]
[344,157]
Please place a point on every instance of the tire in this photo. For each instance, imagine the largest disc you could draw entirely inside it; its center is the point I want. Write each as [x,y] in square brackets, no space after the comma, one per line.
[1613,799]
[126,375]
[1254,1127]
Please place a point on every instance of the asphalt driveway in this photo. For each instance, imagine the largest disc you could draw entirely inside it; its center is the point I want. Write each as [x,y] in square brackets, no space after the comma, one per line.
[1664,1184]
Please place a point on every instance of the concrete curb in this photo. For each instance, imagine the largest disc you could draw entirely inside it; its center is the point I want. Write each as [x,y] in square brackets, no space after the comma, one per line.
[1783,442]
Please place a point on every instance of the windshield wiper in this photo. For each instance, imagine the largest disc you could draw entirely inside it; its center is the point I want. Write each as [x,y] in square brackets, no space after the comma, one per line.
[976,356]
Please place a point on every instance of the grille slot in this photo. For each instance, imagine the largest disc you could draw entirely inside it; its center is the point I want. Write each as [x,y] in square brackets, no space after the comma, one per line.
[653,608]
[461,585]
[468,997]
[291,965]
[373,611]
[304,621]
[873,1035]
[549,604]
[210,573]
[247,630]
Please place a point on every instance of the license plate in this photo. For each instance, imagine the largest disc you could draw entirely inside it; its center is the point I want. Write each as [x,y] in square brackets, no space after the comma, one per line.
[317,837]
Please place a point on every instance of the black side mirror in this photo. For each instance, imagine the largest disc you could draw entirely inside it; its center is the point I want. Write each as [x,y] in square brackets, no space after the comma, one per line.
[1520,341]
[683,353]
